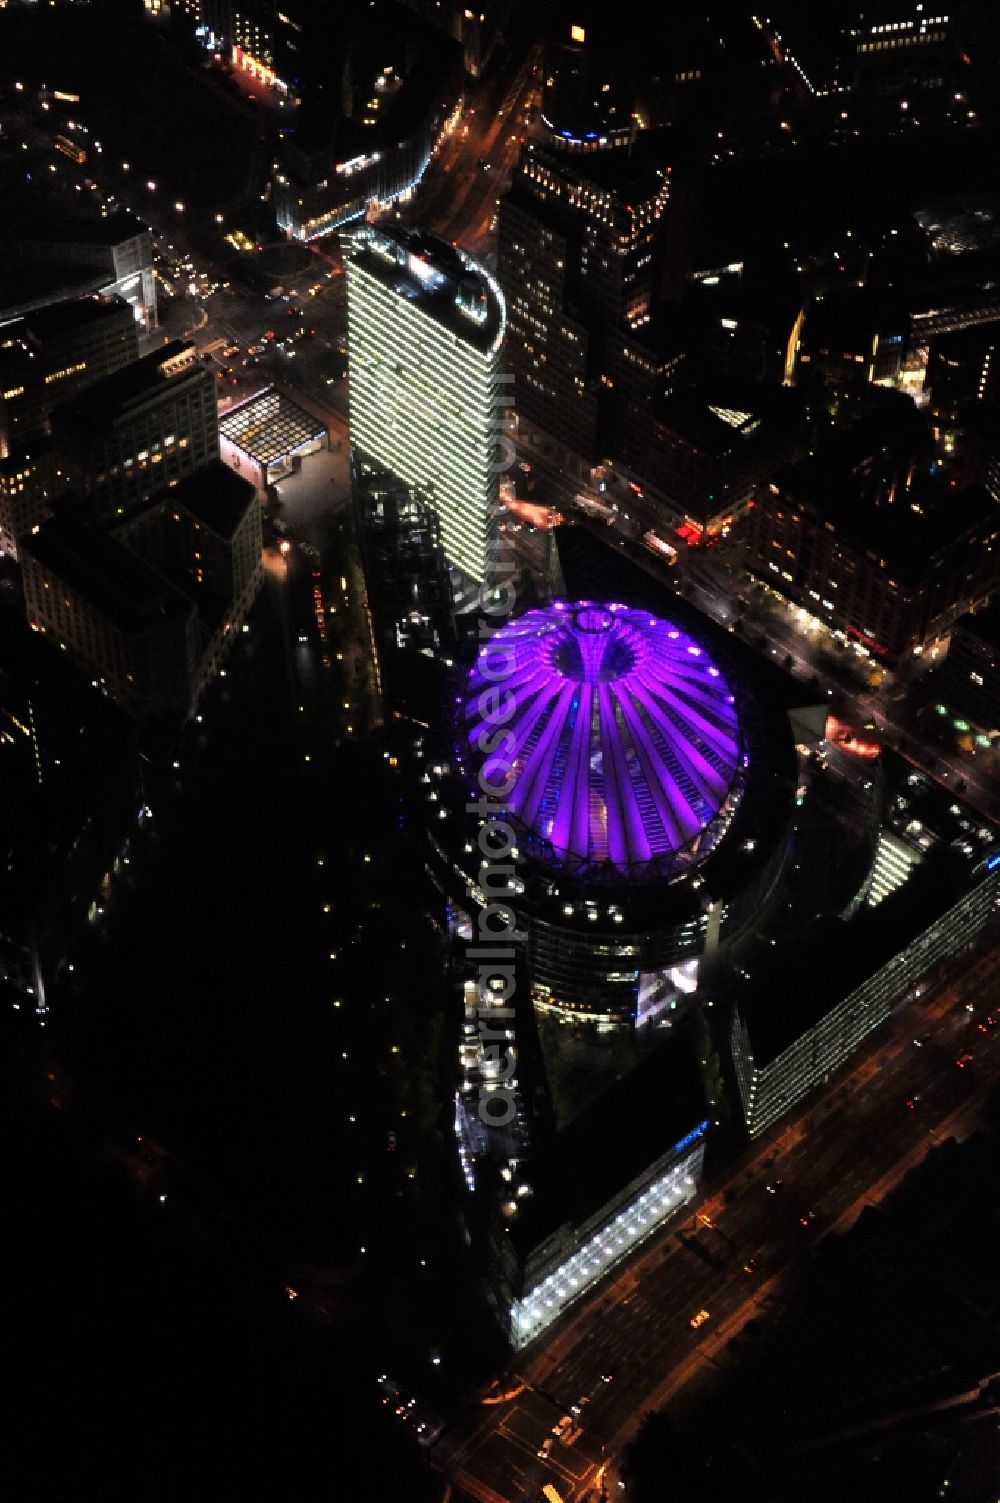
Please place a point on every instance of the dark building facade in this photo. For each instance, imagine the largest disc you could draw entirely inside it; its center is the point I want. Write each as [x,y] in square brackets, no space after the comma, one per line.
[51,354]
[700,453]
[116,617]
[73,800]
[969,678]
[46,358]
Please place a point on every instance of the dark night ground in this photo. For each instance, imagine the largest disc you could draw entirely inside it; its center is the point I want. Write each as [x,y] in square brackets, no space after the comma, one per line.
[151,1351]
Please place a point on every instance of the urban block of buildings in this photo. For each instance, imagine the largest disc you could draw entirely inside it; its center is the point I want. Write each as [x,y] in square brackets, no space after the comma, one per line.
[48,256]
[864,537]
[73,803]
[139,431]
[47,358]
[150,608]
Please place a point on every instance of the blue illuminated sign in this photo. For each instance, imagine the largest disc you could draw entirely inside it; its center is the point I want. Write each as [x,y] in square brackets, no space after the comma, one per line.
[993,862]
[696,1132]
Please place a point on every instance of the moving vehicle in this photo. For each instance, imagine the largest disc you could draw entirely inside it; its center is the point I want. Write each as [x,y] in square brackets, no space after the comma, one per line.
[551,1494]
[70,149]
[699,1319]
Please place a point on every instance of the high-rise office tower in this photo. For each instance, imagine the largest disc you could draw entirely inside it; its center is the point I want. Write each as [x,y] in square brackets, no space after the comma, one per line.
[578,259]
[426,329]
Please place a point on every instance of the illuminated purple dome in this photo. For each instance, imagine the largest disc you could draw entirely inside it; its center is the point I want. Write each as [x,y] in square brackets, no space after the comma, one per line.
[624,757]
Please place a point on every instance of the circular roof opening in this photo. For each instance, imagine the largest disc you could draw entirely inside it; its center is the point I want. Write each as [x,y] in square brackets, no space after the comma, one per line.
[615,734]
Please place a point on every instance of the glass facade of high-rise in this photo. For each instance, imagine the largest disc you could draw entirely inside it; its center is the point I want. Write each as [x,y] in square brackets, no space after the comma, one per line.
[425,336]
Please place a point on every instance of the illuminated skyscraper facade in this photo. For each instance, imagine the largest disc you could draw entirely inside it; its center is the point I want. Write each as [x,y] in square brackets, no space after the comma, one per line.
[578,256]
[426,333]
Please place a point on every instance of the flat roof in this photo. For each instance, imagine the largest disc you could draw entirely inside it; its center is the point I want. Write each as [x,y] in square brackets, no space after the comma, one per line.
[72,313]
[907,540]
[428,57]
[812,970]
[614,1140]
[984,624]
[269,426]
[52,322]
[446,273]
[25,222]
[216,496]
[97,408]
[110,576]
[35,285]
[635,173]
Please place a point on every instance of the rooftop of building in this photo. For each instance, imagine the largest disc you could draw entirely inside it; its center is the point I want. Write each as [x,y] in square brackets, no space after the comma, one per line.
[634,174]
[31,221]
[923,523]
[628,749]
[764,696]
[613,1142]
[113,579]
[53,323]
[215,496]
[848,320]
[34,286]
[714,427]
[269,426]
[984,624]
[437,275]
[66,317]
[833,956]
[156,375]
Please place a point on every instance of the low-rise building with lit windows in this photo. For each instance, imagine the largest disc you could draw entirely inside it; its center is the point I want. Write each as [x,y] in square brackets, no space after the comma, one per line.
[120,620]
[368,137]
[47,357]
[968,680]
[31,480]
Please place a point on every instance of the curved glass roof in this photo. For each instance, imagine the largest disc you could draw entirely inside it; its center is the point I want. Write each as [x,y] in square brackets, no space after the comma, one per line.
[624,754]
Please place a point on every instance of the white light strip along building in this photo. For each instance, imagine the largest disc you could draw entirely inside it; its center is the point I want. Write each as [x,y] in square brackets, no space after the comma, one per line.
[426,328]
[642,1215]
